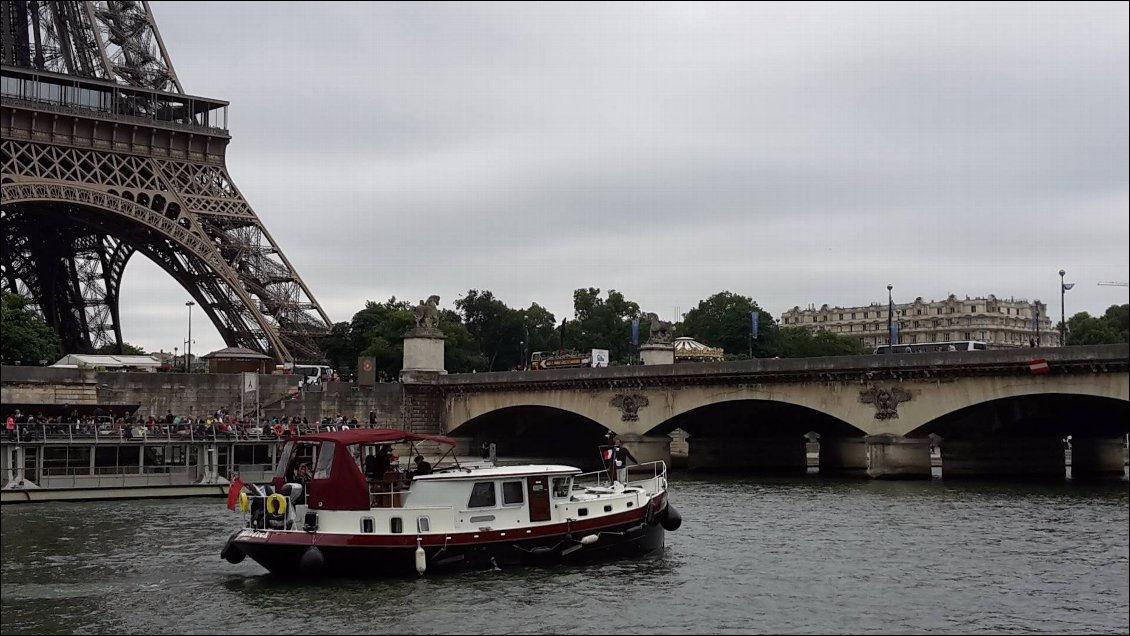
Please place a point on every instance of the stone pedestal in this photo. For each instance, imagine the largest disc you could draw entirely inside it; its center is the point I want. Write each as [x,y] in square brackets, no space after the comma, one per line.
[648,448]
[843,456]
[775,455]
[896,457]
[1098,458]
[423,353]
[657,354]
[1029,457]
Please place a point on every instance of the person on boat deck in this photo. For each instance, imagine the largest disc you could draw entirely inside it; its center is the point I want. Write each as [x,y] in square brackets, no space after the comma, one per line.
[377,465]
[620,457]
[422,466]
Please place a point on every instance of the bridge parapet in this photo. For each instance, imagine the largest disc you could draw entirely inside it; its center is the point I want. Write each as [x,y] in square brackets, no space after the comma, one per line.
[897,367]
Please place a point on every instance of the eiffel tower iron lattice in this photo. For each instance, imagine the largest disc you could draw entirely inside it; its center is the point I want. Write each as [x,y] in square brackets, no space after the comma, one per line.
[105,156]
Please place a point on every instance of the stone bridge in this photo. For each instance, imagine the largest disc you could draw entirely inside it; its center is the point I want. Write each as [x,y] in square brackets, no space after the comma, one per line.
[987,412]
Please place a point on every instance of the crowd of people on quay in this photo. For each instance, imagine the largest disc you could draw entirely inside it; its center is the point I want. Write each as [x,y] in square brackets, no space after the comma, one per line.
[134,426]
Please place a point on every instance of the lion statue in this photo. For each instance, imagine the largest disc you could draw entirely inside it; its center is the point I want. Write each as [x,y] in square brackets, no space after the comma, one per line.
[427,313]
[660,329]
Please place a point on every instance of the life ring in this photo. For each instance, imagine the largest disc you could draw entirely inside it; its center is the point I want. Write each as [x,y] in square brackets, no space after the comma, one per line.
[244,502]
[278,430]
[276,504]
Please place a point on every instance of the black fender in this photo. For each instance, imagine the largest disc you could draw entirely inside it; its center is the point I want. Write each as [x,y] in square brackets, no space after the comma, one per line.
[232,552]
[671,519]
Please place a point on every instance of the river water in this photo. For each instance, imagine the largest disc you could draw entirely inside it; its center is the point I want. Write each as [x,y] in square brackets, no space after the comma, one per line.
[754,555]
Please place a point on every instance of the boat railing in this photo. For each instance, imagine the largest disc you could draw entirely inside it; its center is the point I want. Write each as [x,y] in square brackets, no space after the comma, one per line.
[655,471]
[105,432]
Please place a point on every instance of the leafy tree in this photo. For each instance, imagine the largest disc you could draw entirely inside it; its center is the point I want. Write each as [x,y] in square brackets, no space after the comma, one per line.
[1112,327]
[496,329]
[801,342]
[723,320]
[24,337]
[602,323]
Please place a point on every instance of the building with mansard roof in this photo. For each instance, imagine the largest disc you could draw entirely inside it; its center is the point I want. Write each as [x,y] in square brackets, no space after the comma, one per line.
[999,322]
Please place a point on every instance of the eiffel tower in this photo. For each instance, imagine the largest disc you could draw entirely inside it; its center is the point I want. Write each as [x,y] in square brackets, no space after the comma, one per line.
[104,156]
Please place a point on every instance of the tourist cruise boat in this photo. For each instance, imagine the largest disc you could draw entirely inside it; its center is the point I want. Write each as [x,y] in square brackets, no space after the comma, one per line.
[356,515]
[91,461]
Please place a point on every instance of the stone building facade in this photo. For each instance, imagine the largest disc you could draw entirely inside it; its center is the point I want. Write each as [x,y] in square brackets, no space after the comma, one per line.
[999,322]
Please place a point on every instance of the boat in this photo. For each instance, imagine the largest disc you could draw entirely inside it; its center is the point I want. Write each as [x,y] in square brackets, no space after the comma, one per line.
[356,515]
[96,460]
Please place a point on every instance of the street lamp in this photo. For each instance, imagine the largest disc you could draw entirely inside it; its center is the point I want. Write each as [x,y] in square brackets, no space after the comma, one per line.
[890,320]
[1063,287]
[188,347]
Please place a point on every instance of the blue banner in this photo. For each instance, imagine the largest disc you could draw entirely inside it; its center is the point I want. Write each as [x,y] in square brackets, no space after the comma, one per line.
[754,316]
[635,331]
[894,334]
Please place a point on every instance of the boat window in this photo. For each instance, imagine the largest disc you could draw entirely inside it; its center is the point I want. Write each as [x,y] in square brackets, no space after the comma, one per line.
[608,508]
[325,459]
[396,525]
[513,492]
[367,525]
[482,495]
[582,512]
[423,524]
[561,487]
[284,462]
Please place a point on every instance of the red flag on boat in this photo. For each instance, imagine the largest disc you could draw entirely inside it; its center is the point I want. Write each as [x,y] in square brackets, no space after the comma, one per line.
[233,493]
[1039,366]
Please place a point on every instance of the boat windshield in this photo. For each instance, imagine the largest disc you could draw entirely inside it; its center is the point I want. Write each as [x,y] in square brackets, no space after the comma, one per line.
[562,486]
[325,461]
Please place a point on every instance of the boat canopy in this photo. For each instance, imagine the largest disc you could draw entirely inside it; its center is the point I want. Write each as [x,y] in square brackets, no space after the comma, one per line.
[372,436]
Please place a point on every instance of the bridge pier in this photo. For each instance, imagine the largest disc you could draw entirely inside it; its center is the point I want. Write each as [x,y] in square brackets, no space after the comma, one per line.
[897,457]
[648,448]
[1030,457]
[761,454]
[843,456]
[1098,458]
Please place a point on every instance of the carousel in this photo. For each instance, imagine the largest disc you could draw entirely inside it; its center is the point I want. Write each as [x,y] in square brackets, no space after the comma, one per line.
[690,350]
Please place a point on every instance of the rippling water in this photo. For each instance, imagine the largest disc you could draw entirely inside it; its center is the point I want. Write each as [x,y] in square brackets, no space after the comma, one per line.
[804,555]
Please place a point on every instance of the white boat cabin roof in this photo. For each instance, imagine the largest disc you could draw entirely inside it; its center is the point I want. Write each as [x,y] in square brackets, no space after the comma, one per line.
[497,472]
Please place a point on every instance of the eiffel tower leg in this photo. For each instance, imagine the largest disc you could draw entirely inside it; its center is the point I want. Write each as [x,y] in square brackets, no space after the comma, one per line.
[107,149]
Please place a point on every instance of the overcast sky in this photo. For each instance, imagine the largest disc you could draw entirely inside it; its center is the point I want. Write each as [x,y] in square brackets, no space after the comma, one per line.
[794,153]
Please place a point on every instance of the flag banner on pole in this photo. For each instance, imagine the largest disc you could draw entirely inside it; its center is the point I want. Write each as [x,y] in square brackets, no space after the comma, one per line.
[754,316]
[635,331]
[894,333]
[1039,367]
[250,381]
[233,492]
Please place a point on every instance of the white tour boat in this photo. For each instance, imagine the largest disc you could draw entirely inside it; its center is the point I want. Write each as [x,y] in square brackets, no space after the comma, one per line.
[355,515]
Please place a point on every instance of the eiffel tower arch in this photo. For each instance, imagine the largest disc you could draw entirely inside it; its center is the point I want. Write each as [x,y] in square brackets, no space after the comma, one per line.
[104,157]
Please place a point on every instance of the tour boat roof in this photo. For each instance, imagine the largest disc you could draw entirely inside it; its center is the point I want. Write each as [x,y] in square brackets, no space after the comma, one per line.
[373,436]
[502,471]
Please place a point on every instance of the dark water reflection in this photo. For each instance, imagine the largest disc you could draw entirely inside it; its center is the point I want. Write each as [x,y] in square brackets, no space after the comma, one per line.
[804,555]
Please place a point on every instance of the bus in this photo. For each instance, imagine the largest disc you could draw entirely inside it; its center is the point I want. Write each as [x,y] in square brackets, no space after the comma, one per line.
[559,360]
[930,347]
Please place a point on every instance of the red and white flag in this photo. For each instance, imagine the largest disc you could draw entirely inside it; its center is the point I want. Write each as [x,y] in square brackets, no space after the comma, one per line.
[1039,367]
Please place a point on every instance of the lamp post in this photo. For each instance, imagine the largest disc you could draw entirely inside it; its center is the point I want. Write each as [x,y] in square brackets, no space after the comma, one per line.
[890,319]
[1063,287]
[174,365]
[188,347]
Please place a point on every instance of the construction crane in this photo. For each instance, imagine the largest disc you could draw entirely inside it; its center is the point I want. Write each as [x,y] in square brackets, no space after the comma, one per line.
[1115,284]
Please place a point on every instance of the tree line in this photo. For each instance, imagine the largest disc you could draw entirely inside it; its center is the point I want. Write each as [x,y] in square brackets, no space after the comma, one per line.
[484,334]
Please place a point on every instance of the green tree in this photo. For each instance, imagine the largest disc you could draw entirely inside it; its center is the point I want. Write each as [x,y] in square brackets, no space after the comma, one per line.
[496,329]
[24,337]
[1112,327]
[801,342]
[723,320]
[602,323]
